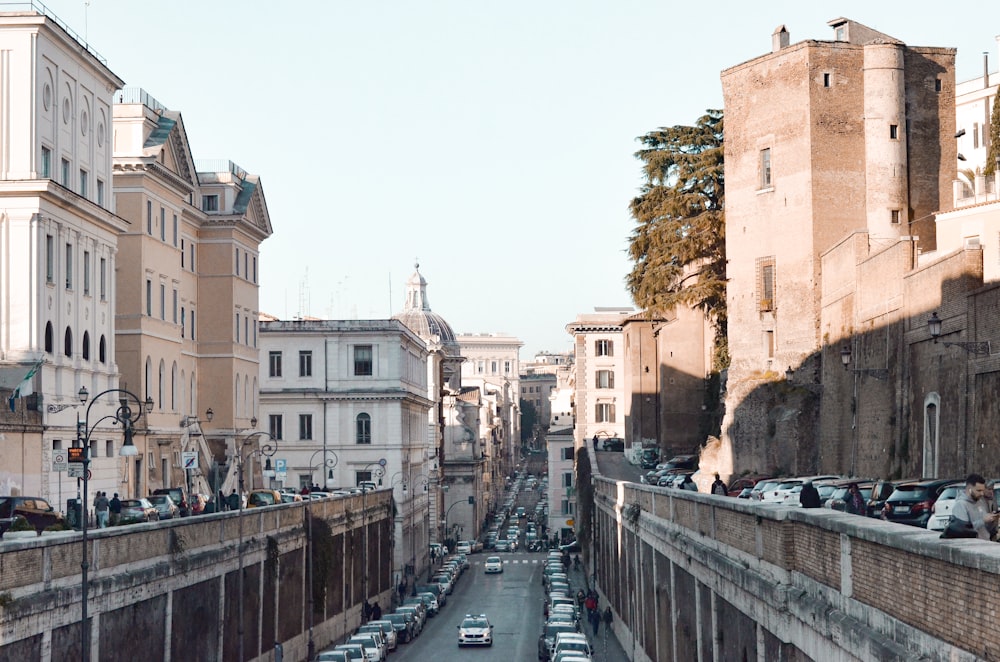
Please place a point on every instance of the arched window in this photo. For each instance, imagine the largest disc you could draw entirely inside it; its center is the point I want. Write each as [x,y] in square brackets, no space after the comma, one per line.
[102,351]
[68,342]
[236,396]
[48,338]
[253,394]
[86,345]
[364,432]
[932,423]
[162,384]
[246,397]
[183,394]
[173,387]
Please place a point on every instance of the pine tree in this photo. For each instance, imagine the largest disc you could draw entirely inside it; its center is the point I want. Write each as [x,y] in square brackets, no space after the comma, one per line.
[994,152]
[678,246]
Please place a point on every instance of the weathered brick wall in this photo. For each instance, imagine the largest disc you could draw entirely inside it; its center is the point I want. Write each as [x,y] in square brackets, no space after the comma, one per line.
[177,583]
[823,585]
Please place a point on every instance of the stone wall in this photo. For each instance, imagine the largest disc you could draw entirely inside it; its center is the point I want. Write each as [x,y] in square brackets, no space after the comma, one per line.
[694,576]
[177,583]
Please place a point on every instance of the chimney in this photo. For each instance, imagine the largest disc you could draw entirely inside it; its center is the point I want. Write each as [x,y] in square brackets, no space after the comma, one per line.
[779,39]
[986,69]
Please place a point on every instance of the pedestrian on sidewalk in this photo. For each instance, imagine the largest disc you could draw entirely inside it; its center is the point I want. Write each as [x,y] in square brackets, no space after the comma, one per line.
[608,617]
[101,507]
[595,621]
[115,507]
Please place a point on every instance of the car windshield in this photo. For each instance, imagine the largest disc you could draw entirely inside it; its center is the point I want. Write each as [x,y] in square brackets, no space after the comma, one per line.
[910,492]
[132,503]
[951,492]
[474,623]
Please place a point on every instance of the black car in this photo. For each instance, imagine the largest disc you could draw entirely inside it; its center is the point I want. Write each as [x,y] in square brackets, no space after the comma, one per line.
[614,444]
[35,510]
[912,503]
[649,458]
[880,492]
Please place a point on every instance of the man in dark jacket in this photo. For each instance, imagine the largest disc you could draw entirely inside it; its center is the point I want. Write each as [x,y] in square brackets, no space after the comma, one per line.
[809,496]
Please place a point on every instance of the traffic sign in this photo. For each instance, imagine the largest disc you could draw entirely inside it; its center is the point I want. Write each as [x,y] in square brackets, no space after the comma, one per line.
[189,460]
[76,470]
[60,462]
[280,466]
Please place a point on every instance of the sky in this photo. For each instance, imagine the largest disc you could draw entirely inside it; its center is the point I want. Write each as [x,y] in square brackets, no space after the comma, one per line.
[492,142]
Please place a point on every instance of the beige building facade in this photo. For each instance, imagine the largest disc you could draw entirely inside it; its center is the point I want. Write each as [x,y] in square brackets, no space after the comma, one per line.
[822,138]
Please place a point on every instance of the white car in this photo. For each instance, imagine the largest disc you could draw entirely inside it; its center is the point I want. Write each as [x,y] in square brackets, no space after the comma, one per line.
[493,564]
[374,647]
[941,510]
[463,547]
[475,630]
[389,632]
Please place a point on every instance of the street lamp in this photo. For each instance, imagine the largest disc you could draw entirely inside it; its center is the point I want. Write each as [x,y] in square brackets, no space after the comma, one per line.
[329,463]
[84,430]
[266,450]
[378,471]
[976,348]
[471,500]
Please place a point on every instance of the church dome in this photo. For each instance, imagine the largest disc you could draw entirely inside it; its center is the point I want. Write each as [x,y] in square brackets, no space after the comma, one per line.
[418,317]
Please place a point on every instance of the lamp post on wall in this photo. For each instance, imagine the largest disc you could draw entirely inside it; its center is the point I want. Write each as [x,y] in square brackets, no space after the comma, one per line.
[81,451]
[267,450]
[328,464]
[377,471]
[975,348]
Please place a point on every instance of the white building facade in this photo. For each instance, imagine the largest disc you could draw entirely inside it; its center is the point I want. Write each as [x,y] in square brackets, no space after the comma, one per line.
[346,401]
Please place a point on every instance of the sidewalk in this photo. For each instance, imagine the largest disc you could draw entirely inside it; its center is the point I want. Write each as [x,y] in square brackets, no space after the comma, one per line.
[607,648]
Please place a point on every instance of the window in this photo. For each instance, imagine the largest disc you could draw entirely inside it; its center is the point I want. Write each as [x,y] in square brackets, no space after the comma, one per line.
[841,34]
[86,273]
[237,262]
[604,412]
[506,366]
[104,279]
[937,85]
[100,192]
[210,203]
[305,364]
[769,343]
[305,426]
[109,448]
[49,340]
[255,268]
[604,348]
[163,224]
[68,342]
[182,253]
[50,258]
[174,308]
[765,283]
[237,327]
[83,183]
[274,425]
[192,325]
[567,479]
[493,367]
[363,434]
[567,507]
[163,302]
[893,132]
[149,298]
[102,351]
[65,173]
[480,367]
[604,379]
[69,266]
[175,231]
[149,218]
[46,163]
[191,249]
[274,364]
[567,453]
[246,269]
[765,168]
[246,329]
[826,80]
[895,216]
[183,322]
[363,360]
[85,349]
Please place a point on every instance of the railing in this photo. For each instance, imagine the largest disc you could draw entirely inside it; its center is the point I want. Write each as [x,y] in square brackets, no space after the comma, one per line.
[128,95]
[35,6]
[220,165]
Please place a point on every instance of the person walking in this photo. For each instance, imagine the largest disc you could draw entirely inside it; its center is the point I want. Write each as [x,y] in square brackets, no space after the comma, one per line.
[809,496]
[688,484]
[718,487]
[855,503]
[608,617]
[233,500]
[971,508]
[220,502]
[115,507]
[595,621]
[101,506]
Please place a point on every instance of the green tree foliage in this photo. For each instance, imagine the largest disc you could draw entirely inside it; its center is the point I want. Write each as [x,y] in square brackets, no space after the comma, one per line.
[679,244]
[994,152]
[529,416]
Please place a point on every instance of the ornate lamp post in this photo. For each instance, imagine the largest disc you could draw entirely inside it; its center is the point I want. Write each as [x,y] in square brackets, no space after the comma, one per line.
[266,450]
[328,463]
[377,471]
[84,430]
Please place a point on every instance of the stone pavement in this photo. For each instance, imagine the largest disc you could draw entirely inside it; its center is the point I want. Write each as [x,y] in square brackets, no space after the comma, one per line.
[607,648]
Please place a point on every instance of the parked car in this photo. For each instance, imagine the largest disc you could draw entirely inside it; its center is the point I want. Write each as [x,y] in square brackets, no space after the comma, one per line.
[547,639]
[614,444]
[880,492]
[138,510]
[463,547]
[941,510]
[35,510]
[176,495]
[403,624]
[740,487]
[260,498]
[758,491]
[165,506]
[838,498]
[911,503]
[649,457]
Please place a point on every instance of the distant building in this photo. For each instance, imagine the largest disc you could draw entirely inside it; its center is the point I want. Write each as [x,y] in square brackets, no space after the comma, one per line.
[561,492]
[974,101]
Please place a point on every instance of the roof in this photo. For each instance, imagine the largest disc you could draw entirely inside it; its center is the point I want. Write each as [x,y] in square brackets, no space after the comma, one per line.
[419,318]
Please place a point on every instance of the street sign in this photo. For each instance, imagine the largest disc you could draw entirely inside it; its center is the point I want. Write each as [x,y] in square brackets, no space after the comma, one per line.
[60,462]
[280,466]
[570,522]
[189,460]
[76,470]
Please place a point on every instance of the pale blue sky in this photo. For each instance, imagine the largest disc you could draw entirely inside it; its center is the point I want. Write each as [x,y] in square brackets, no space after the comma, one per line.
[493,140]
